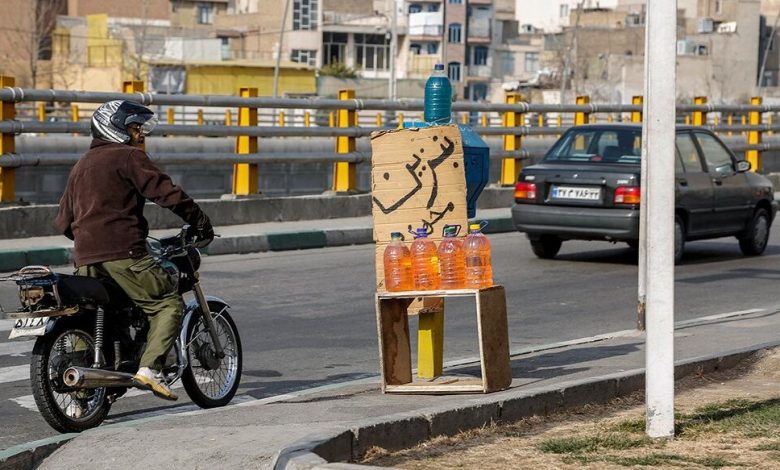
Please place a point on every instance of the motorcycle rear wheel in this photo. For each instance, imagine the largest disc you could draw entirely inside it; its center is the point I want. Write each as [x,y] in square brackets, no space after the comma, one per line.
[66,410]
[209,381]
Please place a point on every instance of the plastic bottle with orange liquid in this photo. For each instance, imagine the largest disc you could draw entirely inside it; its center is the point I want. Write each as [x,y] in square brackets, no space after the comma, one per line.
[479,270]
[452,259]
[398,265]
[425,261]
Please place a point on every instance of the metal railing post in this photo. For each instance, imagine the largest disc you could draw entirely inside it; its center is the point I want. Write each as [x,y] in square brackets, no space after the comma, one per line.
[345,173]
[245,174]
[378,119]
[754,137]
[400,120]
[41,112]
[484,120]
[730,121]
[228,117]
[307,119]
[201,119]
[7,144]
[170,116]
[74,113]
[581,117]
[331,119]
[511,166]
[281,119]
[636,116]
[700,117]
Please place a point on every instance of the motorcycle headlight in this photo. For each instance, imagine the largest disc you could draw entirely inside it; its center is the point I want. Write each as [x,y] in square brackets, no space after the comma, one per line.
[31,295]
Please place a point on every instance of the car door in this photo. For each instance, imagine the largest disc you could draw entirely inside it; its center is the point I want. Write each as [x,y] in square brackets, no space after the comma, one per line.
[731,189]
[693,186]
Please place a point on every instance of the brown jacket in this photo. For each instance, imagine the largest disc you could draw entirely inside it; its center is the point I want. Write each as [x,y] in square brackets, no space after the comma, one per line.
[102,208]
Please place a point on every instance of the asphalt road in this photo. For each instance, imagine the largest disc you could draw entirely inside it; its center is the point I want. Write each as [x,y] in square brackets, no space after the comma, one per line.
[307,317]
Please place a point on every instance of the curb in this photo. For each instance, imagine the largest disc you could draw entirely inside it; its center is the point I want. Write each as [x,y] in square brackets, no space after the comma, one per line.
[401,431]
[11,260]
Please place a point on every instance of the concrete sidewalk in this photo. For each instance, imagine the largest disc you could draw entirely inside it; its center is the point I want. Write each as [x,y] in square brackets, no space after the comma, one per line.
[341,422]
[245,238]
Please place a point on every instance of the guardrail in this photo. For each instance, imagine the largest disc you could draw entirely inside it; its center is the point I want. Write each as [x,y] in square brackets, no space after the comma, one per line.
[343,123]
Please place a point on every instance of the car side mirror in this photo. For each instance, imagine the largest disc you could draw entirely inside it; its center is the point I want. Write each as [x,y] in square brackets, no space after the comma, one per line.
[743,166]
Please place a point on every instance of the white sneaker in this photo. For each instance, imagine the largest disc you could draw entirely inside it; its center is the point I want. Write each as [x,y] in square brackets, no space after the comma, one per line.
[151,379]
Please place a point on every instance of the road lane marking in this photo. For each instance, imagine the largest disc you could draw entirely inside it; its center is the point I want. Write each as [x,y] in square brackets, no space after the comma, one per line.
[27,402]
[16,348]
[14,373]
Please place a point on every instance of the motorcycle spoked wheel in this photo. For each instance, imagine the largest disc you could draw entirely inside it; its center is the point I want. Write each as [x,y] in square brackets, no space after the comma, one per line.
[66,410]
[209,381]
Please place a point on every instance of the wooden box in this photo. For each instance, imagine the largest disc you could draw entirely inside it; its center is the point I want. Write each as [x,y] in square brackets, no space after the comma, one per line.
[395,349]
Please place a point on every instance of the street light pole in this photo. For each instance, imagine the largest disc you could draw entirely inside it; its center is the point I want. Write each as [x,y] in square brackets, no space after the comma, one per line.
[391,90]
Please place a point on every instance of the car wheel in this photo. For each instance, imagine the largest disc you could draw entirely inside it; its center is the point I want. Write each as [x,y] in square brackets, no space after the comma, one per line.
[546,246]
[757,234]
[679,239]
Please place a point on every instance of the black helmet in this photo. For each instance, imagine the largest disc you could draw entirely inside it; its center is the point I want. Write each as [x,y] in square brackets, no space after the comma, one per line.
[110,120]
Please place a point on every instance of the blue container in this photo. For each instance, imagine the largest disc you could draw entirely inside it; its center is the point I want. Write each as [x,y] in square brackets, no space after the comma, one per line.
[438,97]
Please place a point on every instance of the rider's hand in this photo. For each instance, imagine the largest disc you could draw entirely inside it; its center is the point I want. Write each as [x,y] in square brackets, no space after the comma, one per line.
[202,230]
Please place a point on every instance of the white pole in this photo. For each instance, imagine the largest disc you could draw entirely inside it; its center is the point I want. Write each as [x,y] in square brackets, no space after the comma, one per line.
[393,48]
[658,132]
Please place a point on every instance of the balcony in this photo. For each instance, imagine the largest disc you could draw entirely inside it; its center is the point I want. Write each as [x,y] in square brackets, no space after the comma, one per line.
[479,71]
[425,25]
[421,65]
[479,29]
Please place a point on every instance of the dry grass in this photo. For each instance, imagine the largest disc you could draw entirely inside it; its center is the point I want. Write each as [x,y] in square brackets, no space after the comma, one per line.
[728,419]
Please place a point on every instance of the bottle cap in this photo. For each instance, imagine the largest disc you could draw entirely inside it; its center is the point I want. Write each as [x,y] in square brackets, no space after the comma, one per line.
[474,227]
[438,67]
[421,232]
[396,236]
[451,231]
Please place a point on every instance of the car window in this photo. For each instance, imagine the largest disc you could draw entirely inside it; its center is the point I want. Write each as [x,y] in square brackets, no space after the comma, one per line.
[716,156]
[688,154]
[598,146]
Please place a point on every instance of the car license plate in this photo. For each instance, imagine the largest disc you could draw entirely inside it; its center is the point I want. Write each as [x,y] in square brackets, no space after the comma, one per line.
[579,193]
[29,327]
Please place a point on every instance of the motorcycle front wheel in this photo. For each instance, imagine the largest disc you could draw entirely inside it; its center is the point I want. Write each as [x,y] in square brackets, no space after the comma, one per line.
[210,381]
[66,409]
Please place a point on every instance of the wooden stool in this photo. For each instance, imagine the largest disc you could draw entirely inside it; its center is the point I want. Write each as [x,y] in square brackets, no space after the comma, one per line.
[395,349]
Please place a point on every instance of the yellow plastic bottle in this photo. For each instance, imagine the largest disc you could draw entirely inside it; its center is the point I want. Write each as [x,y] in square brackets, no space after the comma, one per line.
[398,265]
[479,270]
[425,262]
[452,259]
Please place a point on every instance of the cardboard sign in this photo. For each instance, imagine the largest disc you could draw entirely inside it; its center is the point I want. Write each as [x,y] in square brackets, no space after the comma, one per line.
[418,180]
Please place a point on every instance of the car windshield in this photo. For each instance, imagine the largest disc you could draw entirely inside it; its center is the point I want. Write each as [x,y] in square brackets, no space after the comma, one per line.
[622,146]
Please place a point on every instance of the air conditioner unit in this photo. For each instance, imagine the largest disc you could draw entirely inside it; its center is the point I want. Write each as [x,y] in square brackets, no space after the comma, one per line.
[633,19]
[526,28]
[686,47]
[705,25]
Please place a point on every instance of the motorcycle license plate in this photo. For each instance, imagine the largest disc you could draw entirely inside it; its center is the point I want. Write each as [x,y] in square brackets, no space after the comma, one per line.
[29,327]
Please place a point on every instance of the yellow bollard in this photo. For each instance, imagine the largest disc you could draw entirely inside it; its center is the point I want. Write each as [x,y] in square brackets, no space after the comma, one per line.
[559,121]
[744,122]
[593,119]
[307,119]
[228,117]
[400,120]
[636,116]
[378,119]
[510,166]
[610,118]
[345,173]
[730,122]
[281,119]
[582,117]
[7,144]
[484,119]
[687,120]
[430,344]
[74,113]
[245,174]
[134,86]
[700,117]
[331,119]
[201,120]
[41,111]
[170,116]
[464,119]
[754,137]
[540,120]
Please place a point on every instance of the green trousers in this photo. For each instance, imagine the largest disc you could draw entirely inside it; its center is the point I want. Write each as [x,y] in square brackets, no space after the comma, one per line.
[151,288]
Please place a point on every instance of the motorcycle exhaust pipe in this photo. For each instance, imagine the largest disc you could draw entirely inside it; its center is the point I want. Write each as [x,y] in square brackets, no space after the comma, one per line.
[85,378]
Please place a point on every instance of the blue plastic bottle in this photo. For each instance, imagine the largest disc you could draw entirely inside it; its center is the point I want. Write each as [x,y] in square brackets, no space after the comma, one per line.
[438,97]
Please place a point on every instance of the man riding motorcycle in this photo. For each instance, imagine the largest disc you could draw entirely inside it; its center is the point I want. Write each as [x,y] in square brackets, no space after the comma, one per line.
[102,212]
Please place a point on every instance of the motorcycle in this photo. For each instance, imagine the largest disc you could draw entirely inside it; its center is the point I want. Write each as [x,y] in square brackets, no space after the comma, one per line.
[90,337]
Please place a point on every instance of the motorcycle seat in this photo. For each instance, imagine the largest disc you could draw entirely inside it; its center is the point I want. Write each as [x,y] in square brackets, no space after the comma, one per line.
[81,290]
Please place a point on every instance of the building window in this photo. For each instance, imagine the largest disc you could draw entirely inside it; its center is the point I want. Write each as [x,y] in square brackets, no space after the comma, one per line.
[433,7]
[432,48]
[304,56]
[456,1]
[334,46]
[480,55]
[454,33]
[479,91]
[415,8]
[531,62]
[305,15]
[225,43]
[372,52]
[564,10]
[453,71]
[718,6]
[205,13]
[415,49]
[507,63]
